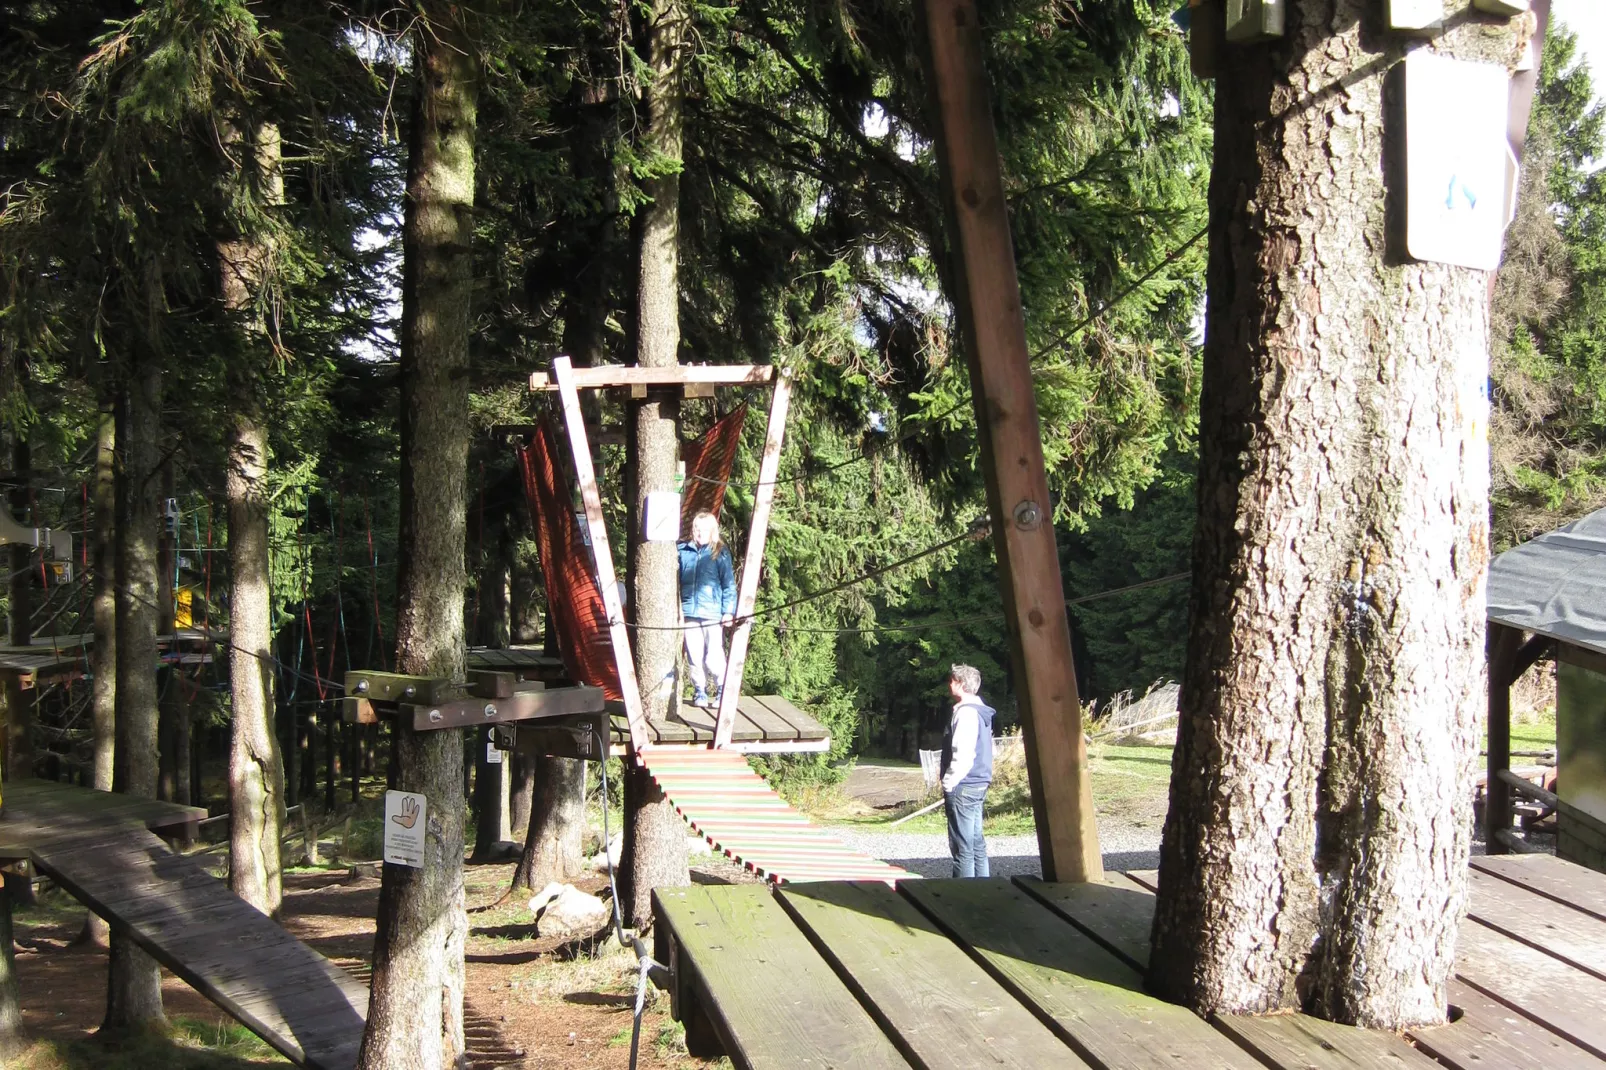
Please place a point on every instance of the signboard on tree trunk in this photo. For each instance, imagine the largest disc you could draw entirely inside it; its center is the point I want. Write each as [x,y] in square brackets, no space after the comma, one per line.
[405,813]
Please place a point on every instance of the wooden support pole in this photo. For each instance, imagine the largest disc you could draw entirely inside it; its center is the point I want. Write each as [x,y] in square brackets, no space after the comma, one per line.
[602,556]
[1503,644]
[986,295]
[753,561]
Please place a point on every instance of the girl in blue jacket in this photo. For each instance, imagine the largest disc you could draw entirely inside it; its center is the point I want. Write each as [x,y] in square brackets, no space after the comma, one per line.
[707,603]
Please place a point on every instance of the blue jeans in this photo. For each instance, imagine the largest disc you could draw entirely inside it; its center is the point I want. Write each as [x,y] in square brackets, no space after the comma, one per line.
[965,842]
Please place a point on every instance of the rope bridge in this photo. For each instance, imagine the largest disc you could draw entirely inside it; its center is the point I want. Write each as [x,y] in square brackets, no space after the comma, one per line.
[715,791]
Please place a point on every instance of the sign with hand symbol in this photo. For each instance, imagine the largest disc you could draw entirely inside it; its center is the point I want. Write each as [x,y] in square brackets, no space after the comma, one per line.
[404,828]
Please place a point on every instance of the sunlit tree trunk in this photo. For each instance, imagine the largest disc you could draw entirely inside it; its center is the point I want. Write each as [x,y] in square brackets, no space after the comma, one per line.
[1315,850]
[103,653]
[256,766]
[415,1009]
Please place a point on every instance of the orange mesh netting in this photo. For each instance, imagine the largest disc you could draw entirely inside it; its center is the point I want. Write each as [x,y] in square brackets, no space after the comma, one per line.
[709,457]
[573,598]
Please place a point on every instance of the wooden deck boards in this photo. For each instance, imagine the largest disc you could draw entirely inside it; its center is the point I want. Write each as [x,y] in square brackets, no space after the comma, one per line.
[1054,976]
[94,845]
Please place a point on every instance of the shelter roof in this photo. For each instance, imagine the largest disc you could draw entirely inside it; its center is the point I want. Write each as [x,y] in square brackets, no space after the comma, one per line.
[1555,584]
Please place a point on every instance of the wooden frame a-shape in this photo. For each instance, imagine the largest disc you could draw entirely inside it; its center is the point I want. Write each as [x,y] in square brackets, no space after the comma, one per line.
[568,381]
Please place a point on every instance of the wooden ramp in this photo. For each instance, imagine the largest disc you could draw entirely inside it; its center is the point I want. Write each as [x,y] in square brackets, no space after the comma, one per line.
[740,815]
[300,1003]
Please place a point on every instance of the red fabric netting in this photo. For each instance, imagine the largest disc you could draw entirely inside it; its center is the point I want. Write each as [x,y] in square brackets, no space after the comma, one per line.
[711,457]
[573,598]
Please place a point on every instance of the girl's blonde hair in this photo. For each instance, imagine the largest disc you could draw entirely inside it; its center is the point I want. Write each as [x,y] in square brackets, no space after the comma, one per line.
[705,518]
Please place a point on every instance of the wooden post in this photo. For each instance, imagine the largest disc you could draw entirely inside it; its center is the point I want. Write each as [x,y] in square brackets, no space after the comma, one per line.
[1502,645]
[987,299]
[753,561]
[574,419]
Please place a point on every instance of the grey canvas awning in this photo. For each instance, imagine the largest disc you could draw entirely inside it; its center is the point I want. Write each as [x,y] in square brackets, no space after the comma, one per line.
[1555,584]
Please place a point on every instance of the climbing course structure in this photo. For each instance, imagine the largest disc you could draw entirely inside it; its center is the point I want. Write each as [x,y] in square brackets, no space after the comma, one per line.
[699,762]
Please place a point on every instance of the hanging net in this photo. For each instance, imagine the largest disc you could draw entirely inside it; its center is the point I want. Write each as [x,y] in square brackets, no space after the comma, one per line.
[708,468]
[574,602]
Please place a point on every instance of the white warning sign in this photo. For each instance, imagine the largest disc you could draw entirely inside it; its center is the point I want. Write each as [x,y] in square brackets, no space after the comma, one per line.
[405,816]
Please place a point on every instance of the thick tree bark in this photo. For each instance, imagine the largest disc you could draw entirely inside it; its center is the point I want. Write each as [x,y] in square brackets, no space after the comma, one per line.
[103,654]
[655,837]
[415,1011]
[521,794]
[256,766]
[554,843]
[1315,850]
[134,998]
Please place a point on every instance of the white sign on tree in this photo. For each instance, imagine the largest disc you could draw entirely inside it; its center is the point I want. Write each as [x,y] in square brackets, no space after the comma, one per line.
[1460,173]
[406,814]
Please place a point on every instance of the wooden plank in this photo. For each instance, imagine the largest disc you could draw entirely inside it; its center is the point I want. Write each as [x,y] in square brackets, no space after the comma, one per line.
[769,468]
[1092,999]
[941,1008]
[804,725]
[772,1000]
[398,687]
[1567,934]
[1116,913]
[610,375]
[601,554]
[1119,916]
[704,723]
[1500,647]
[770,725]
[1542,988]
[987,301]
[1564,882]
[1488,1036]
[1300,1042]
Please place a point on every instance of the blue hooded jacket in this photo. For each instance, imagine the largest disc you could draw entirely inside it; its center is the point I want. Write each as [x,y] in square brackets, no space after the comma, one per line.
[707,582]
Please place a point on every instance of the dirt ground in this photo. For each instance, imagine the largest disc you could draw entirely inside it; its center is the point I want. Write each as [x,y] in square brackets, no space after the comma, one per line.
[532,1001]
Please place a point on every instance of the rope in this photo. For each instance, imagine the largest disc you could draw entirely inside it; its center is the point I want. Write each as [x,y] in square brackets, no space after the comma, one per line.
[1170,258]
[975,530]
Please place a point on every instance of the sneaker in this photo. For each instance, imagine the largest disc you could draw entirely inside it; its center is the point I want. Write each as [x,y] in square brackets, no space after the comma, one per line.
[700,698]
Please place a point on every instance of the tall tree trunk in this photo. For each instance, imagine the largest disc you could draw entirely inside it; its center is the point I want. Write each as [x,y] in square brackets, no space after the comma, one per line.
[103,654]
[167,680]
[1319,818]
[416,1005]
[257,788]
[134,997]
[655,837]
[256,773]
[554,843]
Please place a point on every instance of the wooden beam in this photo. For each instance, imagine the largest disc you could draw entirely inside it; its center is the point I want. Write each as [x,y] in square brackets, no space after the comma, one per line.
[521,706]
[753,561]
[1503,644]
[987,299]
[563,373]
[610,376]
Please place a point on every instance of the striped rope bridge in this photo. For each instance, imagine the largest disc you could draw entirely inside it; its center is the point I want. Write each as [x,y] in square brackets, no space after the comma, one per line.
[739,814]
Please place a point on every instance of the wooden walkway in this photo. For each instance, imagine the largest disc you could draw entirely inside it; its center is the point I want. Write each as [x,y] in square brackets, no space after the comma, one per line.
[96,846]
[739,814]
[965,973]
[764,724]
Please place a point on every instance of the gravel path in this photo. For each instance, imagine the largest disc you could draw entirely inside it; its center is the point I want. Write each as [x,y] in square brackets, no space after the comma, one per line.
[1125,848]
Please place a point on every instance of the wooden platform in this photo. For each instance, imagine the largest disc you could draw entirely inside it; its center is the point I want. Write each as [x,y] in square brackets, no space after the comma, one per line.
[97,847]
[965,973]
[764,723]
[526,663]
[40,666]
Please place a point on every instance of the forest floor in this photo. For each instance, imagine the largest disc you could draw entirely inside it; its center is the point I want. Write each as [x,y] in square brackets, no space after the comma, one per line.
[532,1002]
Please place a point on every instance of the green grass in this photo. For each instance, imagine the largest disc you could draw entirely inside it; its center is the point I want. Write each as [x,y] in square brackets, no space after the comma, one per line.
[184,1045]
[1540,734]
